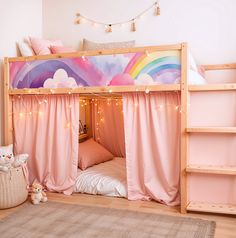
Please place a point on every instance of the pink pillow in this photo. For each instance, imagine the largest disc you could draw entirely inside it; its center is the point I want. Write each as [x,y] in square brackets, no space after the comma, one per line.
[61,49]
[41,46]
[91,153]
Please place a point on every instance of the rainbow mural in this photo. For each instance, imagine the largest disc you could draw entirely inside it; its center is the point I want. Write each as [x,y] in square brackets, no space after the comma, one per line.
[161,67]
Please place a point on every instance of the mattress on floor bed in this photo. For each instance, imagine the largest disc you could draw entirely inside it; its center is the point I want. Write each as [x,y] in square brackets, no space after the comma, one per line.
[108,178]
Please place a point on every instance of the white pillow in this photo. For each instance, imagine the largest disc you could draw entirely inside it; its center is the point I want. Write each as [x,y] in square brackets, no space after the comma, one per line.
[90,45]
[25,48]
[192,63]
[195,78]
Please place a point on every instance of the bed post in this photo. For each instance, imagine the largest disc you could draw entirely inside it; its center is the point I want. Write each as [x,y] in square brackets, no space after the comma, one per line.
[7,105]
[184,123]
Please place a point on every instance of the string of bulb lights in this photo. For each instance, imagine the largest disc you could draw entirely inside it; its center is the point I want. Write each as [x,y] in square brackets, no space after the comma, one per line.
[84,103]
[109,26]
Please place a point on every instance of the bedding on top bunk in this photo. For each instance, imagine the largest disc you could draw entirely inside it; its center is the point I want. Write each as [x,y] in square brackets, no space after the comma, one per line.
[108,178]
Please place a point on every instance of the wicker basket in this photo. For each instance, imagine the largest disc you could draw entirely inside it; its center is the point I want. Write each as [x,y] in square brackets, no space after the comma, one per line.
[13,188]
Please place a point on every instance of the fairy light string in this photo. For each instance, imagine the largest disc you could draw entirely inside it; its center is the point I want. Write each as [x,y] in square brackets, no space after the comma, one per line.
[80,18]
[111,99]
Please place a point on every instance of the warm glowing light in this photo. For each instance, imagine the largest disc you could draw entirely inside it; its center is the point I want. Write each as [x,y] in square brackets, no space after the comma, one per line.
[40,102]
[110,90]
[161,106]
[69,92]
[30,113]
[52,91]
[136,104]
[68,125]
[45,100]
[21,114]
[176,107]
[40,113]
[147,53]
[83,57]
[147,90]
[136,89]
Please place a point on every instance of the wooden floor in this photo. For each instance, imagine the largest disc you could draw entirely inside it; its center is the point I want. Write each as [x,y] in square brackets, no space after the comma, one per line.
[225,225]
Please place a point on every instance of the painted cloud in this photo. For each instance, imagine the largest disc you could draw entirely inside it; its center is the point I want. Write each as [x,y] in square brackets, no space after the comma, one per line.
[60,80]
[144,79]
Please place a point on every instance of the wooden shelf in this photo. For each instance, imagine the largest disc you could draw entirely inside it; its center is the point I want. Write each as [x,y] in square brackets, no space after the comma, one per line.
[212,87]
[83,136]
[207,169]
[211,129]
[211,207]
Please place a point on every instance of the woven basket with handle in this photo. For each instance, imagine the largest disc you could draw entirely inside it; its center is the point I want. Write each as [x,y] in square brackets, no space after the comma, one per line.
[13,188]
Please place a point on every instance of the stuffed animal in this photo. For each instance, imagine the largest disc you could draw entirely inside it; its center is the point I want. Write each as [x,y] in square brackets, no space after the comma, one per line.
[7,159]
[19,160]
[37,193]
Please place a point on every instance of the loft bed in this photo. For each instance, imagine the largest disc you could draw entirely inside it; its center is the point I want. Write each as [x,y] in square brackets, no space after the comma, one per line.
[12,87]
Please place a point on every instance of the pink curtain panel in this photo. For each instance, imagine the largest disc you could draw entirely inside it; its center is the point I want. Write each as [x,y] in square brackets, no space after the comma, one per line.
[152,141]
[46,127]
[108,125]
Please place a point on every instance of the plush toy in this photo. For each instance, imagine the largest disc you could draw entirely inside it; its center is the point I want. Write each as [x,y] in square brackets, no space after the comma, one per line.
[7,159]
[37,193]
[19,160]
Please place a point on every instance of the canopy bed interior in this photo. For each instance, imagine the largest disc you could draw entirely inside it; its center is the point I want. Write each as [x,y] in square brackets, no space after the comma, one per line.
[119,123]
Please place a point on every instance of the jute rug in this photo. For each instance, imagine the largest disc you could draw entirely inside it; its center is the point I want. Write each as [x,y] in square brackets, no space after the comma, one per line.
[53,219]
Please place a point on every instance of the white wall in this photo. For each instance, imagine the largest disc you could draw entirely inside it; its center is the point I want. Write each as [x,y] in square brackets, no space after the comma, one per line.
[206,25]
[18,19]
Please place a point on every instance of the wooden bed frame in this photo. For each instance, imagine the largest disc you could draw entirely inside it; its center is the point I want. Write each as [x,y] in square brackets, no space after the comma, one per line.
[183,88]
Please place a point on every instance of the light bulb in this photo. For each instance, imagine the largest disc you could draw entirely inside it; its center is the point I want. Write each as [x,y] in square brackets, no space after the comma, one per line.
[147,90]
[147,53]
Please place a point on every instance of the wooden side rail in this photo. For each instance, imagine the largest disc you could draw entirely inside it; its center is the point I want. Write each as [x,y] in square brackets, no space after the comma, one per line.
[219,66]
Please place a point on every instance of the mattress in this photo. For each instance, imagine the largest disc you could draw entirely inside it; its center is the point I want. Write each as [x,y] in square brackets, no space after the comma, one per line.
[108,178]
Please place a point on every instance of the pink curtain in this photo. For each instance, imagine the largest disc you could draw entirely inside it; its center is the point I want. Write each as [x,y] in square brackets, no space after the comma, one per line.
[108,125]
[152,137]
[46,127]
